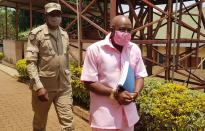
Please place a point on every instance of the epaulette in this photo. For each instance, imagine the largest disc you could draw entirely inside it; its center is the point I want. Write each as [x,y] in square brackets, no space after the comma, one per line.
[34,32]
[62,29]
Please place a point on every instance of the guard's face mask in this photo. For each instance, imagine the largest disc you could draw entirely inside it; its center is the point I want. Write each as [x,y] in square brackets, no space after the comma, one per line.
[54,20]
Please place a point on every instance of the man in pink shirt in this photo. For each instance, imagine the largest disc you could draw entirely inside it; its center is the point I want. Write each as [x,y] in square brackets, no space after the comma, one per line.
[112,109]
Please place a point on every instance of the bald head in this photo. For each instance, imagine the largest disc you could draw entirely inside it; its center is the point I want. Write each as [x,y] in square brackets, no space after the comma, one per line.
[121,27]
[121,21]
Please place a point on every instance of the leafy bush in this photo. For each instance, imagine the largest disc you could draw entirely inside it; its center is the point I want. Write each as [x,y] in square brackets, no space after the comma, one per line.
[21,68]
[24,35]
[166,106]
[80,93]
[1,55]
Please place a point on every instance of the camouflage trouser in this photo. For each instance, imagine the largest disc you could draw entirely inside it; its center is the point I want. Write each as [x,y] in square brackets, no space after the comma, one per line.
[63,105]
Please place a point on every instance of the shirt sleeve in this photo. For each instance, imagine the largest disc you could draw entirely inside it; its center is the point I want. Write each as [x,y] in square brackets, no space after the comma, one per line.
[32,58]
[140,69]
[90,70]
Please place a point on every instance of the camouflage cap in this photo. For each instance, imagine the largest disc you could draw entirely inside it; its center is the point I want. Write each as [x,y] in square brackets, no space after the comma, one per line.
[51,7]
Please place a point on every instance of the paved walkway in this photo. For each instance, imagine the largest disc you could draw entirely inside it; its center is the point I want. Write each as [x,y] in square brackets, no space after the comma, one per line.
[10,71]
[15,107]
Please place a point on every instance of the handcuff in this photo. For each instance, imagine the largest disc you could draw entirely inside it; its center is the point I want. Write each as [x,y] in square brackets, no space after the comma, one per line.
[115,91]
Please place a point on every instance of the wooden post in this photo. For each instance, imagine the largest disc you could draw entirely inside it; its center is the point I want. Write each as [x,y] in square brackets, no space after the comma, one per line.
[105,14]
[80,53]
[31,16]
[168,44]
[149,47]
[179,34]
[174,43]
[17,21]
[113,9]
[6,22]
[198,32]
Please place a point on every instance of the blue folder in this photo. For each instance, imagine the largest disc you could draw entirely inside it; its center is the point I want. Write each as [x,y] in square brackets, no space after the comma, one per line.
[127,80]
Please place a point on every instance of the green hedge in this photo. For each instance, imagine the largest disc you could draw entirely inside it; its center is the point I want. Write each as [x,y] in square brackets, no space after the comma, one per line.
[80,93]
[21,68]
[166,106]
[1,56]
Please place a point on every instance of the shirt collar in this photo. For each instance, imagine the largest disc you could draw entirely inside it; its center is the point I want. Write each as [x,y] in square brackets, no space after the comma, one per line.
[46,30]
[107,41]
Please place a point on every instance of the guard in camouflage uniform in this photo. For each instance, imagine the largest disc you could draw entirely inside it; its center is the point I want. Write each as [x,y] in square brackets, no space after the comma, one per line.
[47,65]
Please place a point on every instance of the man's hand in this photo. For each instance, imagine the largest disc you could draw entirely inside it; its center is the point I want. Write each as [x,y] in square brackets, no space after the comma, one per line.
[42,94]
[134,96]
[124,97]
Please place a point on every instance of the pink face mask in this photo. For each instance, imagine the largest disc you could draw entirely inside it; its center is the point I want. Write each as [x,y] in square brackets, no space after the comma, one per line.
[122,38]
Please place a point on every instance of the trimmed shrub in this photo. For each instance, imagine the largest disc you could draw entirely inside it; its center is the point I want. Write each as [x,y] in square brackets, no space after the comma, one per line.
[80,93]
[1,56]
[166,106]
[21,68]
[24,35]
